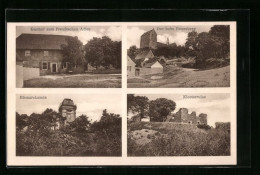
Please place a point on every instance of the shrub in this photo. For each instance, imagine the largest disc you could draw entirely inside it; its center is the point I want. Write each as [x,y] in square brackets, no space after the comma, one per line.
[183,141]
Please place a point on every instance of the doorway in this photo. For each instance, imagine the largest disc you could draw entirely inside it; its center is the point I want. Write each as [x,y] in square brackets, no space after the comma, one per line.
[137,72]
[54,67]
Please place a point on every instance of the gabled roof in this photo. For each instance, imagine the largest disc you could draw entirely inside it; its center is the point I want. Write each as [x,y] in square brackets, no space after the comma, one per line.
[149,64]
[130,59]
[148,32]
[143,54]
[40,41]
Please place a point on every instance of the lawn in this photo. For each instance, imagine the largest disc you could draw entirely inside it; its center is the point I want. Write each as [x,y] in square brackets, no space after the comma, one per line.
[174,76]
[76,81]
[172,139]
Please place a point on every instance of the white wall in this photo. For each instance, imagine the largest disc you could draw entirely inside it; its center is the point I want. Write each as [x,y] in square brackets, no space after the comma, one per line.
[19,76]
[29,73]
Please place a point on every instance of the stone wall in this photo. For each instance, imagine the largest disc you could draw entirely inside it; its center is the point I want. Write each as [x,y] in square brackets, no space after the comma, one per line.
[223,125]
[183,116]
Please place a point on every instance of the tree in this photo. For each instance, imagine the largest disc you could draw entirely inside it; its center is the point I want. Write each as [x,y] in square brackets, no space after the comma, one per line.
[137,104]
[160,108]
[108,133]
[221,36]
[81,124]
[72,51]
[191,43]
[21,121]
[132,51]
[103,52]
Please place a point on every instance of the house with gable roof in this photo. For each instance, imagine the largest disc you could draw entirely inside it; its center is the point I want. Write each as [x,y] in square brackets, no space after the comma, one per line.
[41,52]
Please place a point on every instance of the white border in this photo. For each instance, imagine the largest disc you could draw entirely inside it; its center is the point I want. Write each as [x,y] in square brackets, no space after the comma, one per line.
[12,160]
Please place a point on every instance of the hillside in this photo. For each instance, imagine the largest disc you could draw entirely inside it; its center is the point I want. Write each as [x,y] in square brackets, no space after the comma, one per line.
[172,139]
[175,76]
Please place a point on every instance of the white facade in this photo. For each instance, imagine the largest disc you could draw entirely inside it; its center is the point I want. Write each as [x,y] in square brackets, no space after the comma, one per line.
[156,65]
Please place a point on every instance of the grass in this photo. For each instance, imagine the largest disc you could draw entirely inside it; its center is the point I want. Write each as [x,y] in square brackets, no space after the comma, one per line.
[172,139]
[184,77]
[81,81]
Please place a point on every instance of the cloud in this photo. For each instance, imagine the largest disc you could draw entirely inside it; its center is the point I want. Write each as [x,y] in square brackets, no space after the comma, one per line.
[133,36]
[86,36]
[114,33]
[102,30]
[179,38]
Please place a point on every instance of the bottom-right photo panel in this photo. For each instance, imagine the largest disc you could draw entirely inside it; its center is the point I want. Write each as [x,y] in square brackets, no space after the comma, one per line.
[178,124]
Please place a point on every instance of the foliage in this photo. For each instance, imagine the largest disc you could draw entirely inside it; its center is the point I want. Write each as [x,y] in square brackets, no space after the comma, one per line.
[72,51]
[103,52]
[181,140]
[170,51]
[137,104]
[36,136]
[108,132]
[208,45]
[214,44]
[132,52]
[160,108]
[80,125]
[21,121]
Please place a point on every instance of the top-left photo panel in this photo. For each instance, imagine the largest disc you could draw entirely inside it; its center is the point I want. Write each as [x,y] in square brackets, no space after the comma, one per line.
[68,56]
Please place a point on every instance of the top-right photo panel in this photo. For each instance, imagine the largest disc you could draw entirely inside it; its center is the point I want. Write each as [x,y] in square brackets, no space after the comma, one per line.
[178,56]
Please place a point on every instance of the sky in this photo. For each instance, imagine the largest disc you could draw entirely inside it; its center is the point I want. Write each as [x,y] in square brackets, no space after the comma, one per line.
[90,105]
[176,33]
[216,106]
[84,33]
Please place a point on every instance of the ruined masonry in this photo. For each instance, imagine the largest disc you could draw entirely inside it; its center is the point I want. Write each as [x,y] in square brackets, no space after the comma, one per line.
[183,116]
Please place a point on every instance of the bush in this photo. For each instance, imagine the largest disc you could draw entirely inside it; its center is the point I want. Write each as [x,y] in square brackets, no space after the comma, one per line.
[79,138]
[184,142]
[211,63]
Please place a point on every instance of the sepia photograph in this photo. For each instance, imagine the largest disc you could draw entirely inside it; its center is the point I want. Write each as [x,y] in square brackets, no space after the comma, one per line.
[178,125]
[68,56]
[178,56]
[173,103]
[68,125]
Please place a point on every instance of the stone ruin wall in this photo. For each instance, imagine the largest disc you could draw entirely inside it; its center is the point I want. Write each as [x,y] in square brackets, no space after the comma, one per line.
[183,116]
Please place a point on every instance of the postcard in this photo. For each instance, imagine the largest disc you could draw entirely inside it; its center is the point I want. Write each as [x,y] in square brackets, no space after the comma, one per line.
[121,93]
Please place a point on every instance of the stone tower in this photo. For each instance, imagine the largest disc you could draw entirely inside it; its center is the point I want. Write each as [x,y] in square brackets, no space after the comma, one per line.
[149,40]
[68,110]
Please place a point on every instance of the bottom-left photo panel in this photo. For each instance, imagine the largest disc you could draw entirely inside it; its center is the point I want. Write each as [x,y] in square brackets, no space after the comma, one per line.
[68,125]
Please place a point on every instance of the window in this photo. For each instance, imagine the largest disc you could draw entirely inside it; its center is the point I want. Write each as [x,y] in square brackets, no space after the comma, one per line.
[27,53]
[66,65]
[129,68]
[45,53]
[44,65]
